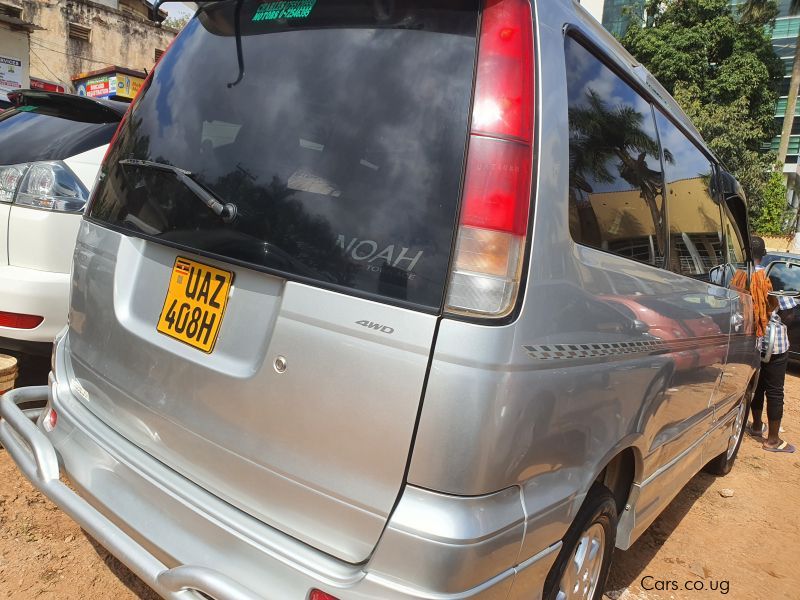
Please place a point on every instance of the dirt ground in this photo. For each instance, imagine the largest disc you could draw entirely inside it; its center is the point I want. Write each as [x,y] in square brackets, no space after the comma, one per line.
[744,546]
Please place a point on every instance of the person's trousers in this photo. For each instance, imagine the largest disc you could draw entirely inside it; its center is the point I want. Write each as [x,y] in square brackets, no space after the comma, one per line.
[770,384]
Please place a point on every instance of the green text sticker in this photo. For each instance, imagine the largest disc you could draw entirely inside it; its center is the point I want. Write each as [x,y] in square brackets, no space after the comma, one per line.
[26,108]
[285,9]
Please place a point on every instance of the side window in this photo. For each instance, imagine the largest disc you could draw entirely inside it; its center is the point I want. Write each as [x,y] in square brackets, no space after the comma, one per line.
[785,276]
[695,226]
[736,254]
[615,181]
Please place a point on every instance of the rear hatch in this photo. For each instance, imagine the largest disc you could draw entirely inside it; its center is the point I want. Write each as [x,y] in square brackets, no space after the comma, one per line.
[257,285]
[51,146]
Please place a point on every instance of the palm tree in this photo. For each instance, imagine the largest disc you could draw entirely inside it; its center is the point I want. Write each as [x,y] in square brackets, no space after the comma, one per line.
[756,11]
[599,134]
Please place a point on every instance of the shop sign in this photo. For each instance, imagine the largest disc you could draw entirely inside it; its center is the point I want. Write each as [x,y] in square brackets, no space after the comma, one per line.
[10,72]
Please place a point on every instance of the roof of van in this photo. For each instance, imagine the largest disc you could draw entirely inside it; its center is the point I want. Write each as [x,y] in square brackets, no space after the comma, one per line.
[638,71]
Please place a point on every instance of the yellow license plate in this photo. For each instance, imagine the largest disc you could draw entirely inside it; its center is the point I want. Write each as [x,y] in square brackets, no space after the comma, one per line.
[195,304]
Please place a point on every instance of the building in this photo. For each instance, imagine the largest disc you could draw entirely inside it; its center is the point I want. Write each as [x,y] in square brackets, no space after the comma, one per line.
[114,83]
[616,15]
[71,38]
[14,49]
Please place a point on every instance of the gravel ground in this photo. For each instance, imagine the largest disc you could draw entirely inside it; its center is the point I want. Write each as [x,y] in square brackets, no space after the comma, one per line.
[741,546]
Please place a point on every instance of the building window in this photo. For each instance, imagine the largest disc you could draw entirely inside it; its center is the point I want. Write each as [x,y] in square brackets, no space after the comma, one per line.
[79,32]
[618,15]
[158,54]
[11,11]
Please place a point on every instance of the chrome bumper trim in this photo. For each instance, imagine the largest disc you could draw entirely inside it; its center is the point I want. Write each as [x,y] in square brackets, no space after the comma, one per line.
[37,459]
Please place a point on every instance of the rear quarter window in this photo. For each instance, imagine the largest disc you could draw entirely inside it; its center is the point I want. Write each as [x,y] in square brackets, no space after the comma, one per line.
[35,134]
[616,198]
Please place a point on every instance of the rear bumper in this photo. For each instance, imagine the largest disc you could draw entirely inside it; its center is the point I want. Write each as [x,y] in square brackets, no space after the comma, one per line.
[33,292]
[179,539]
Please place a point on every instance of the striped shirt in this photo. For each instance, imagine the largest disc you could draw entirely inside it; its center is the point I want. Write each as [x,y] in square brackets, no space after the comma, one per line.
[781,343]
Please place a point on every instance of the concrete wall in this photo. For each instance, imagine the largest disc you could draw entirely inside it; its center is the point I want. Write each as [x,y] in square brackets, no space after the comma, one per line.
[118,37]
[14,44]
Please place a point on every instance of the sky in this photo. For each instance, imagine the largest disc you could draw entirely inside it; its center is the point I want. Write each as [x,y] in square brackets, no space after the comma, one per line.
[178,9]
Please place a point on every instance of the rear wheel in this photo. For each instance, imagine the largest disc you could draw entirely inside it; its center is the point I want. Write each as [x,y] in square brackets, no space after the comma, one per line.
[581,569]
[723,463]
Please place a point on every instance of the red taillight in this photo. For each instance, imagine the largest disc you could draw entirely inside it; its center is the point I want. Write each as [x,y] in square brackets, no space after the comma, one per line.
[497,185]
[503,104]
[320,595]
[497,182]
[19,320]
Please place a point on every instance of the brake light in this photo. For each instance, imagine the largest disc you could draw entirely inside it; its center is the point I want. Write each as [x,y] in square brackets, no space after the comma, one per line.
[495,203]
[320,595]
[19,320]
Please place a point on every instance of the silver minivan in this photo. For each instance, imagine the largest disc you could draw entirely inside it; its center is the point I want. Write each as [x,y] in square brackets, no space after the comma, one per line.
[394,299]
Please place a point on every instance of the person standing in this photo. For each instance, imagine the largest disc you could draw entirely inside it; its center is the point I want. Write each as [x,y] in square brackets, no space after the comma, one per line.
[770,312]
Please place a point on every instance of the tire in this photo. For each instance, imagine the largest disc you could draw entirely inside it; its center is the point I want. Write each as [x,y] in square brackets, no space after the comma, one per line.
[598,514]
[722,464]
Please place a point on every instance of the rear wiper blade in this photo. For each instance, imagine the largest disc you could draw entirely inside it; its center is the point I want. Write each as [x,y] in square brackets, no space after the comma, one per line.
[226,211]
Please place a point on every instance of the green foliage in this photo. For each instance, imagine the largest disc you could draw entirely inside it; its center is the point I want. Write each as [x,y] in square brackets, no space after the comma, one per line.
[773,215]
[176,22]
[724,72]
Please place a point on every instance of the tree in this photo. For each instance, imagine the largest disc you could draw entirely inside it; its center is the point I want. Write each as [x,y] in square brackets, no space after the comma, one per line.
[723,71]
[754,10]
[176,22]
[771,219]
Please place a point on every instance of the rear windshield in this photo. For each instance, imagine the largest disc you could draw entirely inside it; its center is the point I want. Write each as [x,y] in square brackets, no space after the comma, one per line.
[341,144]
[33,133]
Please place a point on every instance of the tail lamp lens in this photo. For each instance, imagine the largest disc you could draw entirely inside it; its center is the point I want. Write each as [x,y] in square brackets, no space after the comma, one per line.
[44,185]
[9,181]
[503,104]
[20,320]
[320,595]
[496,199]
[497,185]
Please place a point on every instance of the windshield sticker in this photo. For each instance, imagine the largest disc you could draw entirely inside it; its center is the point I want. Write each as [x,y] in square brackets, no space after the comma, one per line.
[284,9]
[27,108]
[369,251]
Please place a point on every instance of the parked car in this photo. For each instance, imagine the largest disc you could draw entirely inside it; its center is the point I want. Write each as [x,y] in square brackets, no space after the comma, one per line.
[51,146]
[783,270]
[788,257]
[343,323]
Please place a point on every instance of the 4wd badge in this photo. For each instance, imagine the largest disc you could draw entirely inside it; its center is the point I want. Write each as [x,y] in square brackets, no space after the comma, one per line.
[376,326]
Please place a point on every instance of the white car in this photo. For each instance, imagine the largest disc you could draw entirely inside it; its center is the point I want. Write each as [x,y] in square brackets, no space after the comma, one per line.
[51,147]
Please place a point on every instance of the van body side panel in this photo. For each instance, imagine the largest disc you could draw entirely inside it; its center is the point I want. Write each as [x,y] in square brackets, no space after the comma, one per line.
[318,450]
[743,360]
[607,353]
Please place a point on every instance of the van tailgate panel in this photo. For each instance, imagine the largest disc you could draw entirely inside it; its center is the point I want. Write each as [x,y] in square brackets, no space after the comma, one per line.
[318,451]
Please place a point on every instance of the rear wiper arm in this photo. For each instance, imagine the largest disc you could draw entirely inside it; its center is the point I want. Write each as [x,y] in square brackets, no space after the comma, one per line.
[226,211]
